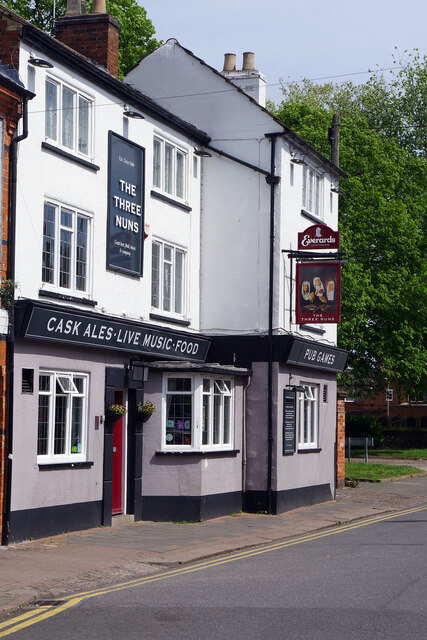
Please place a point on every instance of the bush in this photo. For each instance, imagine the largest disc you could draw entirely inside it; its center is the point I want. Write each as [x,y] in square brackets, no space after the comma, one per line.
[360,426]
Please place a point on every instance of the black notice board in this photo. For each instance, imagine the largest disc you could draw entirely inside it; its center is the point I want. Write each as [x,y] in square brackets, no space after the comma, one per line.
[289,422]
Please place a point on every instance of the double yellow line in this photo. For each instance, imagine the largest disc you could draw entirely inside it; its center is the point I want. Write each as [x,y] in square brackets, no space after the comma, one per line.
[43,613]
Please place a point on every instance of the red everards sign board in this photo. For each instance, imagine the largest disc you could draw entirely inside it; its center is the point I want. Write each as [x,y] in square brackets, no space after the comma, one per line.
[318,292]
[318,236]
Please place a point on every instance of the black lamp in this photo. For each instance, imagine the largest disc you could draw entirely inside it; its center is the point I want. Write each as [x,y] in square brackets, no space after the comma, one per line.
[128,113]
[202,153]
[39,62]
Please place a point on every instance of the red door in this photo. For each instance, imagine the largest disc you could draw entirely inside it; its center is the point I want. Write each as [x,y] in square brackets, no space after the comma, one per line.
[117,506]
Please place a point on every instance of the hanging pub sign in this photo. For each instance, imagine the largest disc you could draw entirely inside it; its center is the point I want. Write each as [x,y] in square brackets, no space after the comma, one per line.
[318,292]
[125,226]
[319,236]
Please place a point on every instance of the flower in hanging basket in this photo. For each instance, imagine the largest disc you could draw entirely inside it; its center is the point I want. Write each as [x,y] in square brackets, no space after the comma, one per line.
[146,409]
[117,409]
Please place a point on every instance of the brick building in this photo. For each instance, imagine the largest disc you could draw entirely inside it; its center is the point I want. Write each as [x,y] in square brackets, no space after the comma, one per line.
[13,96]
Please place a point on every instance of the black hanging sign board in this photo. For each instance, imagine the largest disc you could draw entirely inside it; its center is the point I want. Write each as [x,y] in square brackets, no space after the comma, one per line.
[289,422]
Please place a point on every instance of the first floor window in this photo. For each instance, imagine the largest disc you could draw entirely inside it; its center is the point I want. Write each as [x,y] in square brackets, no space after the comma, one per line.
[65,248]
[169,168]
[312,191]
[167,278]
[308,417]
[68,117]
[199,412]
[62,415]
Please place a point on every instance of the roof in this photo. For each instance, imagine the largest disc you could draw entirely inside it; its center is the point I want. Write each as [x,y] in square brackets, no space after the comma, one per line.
[99,76]
[287,132]
[191,367]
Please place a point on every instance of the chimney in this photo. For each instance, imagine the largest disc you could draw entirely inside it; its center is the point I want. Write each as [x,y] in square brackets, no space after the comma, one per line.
[95,35]
[249,79]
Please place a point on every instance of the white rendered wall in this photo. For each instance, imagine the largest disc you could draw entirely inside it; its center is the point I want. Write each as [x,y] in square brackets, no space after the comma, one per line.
[43,175]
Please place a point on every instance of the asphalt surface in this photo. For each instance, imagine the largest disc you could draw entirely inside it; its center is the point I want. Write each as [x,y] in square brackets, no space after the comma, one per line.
[364,580]
[59,566]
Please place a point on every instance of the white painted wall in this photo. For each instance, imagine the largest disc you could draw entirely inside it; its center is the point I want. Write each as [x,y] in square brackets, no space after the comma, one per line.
[236,200]
[43,174]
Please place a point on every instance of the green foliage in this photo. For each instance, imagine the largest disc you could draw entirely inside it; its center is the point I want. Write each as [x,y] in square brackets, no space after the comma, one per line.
[7,292]
[136,36]
[363,426]
[382,217]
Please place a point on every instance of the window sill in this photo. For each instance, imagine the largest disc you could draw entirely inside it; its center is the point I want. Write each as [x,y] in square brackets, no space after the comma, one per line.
[222,453]
[44,293]
[309,450]
[158,316]
[311,216]
[170,200]
[70,156]
[45,466]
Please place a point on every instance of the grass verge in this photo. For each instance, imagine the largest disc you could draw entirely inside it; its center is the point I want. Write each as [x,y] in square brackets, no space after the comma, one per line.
[377,472]
[391,453]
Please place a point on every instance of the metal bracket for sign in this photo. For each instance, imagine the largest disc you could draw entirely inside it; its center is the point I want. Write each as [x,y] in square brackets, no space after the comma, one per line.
[309,256]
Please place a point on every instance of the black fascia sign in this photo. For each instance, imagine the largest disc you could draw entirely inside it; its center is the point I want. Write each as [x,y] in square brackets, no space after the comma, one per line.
[125,223]
[90,331]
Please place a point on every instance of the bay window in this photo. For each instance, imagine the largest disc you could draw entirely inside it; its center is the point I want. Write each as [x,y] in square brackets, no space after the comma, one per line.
[62,416]
[65,259]
[68,117]
[198,413]
[308,407]
[168,278]
[169,168]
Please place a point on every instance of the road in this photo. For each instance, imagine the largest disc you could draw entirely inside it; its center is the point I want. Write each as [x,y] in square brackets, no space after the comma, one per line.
[364,580]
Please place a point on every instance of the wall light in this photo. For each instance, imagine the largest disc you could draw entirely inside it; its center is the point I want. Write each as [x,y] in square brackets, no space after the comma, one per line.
[202,153]
[39,62]
[128,113]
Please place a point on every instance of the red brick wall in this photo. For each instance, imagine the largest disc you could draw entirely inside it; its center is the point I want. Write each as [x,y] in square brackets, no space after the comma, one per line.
[95,36]
[9,111]
[10,34]
[340,470]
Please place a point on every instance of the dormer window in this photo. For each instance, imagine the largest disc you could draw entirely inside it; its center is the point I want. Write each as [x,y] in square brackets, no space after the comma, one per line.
[312,183]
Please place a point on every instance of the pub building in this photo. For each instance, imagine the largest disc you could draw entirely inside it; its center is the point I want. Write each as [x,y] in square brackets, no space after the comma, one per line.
[132,289]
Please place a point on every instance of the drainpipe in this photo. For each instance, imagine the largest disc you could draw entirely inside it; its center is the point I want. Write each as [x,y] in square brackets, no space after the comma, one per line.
[272,180]
[11,332]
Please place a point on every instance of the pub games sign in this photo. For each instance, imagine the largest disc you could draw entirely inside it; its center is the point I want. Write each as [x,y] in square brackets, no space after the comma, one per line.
[125,226]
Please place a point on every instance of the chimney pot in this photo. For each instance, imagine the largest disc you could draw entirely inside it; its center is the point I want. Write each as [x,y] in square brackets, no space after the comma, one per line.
[75,8]
[98,6]
[248,61]
[229,62]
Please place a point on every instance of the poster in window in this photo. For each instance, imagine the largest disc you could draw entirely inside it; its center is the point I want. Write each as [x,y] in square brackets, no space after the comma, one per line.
[125,227]
[318,292]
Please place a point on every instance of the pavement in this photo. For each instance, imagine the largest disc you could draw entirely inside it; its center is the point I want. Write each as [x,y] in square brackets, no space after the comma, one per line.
[61,565]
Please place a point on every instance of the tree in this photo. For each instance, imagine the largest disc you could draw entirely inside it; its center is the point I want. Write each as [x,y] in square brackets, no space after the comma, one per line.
[382,217]
[136,36]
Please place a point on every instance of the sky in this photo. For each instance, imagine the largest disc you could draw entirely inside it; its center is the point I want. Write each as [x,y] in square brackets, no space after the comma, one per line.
[295,39]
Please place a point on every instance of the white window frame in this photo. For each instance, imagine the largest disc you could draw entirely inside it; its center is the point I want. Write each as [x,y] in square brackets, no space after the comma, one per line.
[61,115]
[167,179]
[219,404]
[312,191]
[53,248]
[67,389]
[308,417]
[164,275]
